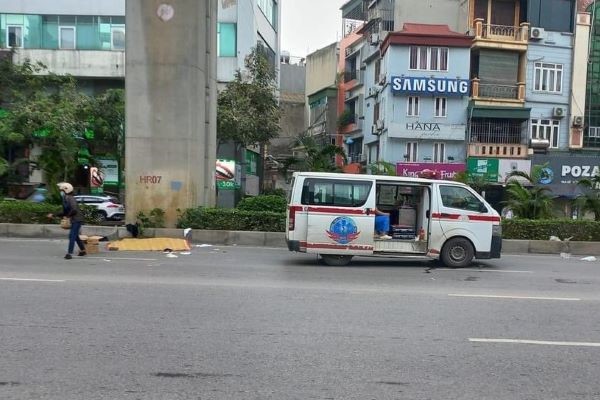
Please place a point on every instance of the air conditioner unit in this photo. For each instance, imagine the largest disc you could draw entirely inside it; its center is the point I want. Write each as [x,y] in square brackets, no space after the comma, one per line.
[558,112]
[537,33]
[578,121]
[380,124]
[374,130]
[382,79]
[372,91]
[374,39]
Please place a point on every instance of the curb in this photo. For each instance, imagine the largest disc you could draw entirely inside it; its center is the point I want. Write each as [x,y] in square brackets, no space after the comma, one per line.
[266,239]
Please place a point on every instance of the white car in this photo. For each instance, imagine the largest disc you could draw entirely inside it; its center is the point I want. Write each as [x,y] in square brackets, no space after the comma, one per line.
[108,207]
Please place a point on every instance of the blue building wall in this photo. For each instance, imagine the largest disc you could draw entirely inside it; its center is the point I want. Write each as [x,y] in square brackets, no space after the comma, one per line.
[425,129]
[556,48]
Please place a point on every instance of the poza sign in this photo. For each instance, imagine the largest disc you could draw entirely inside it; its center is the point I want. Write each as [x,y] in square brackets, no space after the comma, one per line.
[433,86]
[580,171]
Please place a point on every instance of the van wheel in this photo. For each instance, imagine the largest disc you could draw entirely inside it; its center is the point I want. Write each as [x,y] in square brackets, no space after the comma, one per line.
[457,253]
[335,260]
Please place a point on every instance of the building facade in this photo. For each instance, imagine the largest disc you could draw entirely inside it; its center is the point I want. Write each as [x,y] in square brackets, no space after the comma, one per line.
[83,39]
[419,100]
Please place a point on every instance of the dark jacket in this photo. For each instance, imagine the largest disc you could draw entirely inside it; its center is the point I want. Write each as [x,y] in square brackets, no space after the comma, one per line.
[71,209]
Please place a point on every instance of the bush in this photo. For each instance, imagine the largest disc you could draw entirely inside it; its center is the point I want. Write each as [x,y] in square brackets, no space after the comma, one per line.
[26,212]
[272,203]
[231,220]
[581,230]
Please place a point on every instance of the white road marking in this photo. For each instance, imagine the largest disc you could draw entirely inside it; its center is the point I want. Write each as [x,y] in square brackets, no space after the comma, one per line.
[544,342]
[493,296]
[483,270]
[122,258]
[31,280]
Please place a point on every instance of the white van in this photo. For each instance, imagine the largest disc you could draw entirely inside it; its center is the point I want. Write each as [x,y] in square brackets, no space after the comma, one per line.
[334,215]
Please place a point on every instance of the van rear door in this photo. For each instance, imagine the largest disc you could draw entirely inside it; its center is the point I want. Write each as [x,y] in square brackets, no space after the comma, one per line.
[341,217]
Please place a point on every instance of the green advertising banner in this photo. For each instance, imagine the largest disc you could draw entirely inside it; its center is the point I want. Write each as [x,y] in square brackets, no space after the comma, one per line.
[251,163]
[484,167]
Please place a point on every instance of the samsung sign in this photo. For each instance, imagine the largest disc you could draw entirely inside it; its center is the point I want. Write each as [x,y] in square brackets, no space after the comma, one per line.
[433,86]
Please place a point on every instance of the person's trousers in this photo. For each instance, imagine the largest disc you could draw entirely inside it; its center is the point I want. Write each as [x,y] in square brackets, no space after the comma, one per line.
[74,237]
[382,224]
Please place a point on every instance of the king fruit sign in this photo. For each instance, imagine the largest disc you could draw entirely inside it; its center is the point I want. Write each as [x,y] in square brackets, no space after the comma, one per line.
[432,86]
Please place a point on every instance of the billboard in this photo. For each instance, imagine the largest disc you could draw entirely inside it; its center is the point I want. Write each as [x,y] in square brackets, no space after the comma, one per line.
[429,170]
[225,174]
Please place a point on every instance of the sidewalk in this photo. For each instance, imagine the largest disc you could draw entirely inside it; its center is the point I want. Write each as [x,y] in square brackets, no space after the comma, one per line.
[267,239]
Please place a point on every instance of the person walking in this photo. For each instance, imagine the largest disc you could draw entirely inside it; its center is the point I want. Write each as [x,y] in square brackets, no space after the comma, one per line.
[72,211]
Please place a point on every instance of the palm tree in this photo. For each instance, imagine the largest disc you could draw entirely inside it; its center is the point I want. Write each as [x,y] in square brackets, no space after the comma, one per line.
[590,201]
[531,201]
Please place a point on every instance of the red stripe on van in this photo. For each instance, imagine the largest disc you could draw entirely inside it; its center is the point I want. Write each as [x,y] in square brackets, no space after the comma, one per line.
[487,218]
[337,246]
[472,217]
[336,210]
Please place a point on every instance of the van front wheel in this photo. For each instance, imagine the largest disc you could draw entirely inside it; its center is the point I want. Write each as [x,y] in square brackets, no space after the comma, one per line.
[457,253]
[336,260]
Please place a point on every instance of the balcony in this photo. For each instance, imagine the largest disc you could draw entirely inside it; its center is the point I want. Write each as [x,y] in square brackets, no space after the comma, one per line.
[80,63]
[497,139]
[350,75]
[500,36]
[357,158]
[498,93]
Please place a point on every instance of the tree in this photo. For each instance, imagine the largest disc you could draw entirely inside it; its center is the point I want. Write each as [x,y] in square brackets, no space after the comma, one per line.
[590,200]
[317,157]
[382,168]
[532,201]
[248,111]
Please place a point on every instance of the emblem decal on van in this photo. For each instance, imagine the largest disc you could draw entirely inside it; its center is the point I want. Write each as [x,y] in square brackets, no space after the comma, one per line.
[343,230]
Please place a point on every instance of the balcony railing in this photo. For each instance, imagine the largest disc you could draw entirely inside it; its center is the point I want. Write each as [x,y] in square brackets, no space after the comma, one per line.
[505,33]
[497,150]
[495,91]
[496,132]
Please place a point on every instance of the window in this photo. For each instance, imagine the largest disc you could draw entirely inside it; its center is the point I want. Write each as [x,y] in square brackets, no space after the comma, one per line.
[412,109]
[428,58]
[411,151]
[337,193]
[439,152]
[594,131]
[226,40]
[117,38]
[461,198]
[547,77]
[14,36]
[377,71]
[66,37]
[441,107]
[269,9]
[545,129]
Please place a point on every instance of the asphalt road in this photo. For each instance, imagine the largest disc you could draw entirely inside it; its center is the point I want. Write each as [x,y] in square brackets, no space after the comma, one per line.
[256,323]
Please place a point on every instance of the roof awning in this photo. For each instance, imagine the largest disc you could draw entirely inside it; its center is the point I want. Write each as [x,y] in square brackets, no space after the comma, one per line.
[565,190]
[499,112]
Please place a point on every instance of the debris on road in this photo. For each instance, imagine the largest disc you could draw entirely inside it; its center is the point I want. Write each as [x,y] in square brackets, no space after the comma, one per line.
[589,258]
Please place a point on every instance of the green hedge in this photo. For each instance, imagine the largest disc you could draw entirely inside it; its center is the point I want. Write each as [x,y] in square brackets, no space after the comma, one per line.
[273,203]
[26,212]
[231,220]
[581,230]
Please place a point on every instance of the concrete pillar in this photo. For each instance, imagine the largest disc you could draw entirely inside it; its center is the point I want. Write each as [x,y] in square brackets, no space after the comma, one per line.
[171,105]
[579,79]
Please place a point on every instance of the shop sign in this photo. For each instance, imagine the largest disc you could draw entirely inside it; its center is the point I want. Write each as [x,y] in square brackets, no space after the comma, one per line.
[429,170]
[225,174]
[110,170]
[508,166]
[484,167]
[565,169]
[432,86]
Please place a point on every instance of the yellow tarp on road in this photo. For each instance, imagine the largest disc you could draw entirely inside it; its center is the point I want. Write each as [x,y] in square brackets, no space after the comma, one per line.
[150,244]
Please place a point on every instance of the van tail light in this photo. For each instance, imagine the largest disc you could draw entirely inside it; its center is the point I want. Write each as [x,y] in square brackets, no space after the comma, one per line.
[111,205]
[292,217]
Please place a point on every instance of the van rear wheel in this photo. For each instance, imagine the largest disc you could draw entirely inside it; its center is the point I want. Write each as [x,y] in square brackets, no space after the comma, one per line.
[457,253]
[335,260]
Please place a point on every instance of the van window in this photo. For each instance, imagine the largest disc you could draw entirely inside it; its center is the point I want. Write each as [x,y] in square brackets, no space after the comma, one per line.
[338,193]
[461,198]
